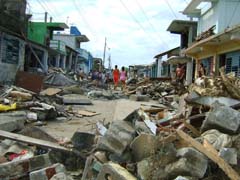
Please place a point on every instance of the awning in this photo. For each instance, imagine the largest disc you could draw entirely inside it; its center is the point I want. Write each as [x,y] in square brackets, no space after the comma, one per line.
[178,60]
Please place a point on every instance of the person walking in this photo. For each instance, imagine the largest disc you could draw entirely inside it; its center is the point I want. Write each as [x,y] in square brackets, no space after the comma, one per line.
[115,77]
[123,77]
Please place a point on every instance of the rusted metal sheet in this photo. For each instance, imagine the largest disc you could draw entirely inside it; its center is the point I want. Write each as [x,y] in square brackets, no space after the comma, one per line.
[29,81]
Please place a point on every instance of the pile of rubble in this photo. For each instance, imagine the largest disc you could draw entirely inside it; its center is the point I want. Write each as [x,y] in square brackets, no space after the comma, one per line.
[194,136]
[146,90]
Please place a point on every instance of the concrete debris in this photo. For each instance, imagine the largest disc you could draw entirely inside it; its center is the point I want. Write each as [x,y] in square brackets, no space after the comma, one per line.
[48,172]
[217,139]
[114,171]
[117,137]
[191,163]
[182,134]
[58,79]
[75,99]
[223,118]
[83,140]
[229,155]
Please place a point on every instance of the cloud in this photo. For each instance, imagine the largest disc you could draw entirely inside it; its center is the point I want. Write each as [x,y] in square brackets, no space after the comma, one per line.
[130,42]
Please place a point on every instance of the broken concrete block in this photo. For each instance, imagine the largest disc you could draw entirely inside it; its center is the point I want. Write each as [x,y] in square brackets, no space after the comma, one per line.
[126,157]
[101,156]
[141,126]
[185,178]
[217,139]
[47,173]
[229,155]
[143,146]
[191,163]
[114,171]
[61,176]
[83,140]
[22,168]
[75,99]
[12,121]
[139,97]
[153,167]
[222,118]
[72,161]
[117,138]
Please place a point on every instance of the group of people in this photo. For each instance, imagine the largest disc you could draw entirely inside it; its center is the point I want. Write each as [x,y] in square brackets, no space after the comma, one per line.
[105,77]
[122,76]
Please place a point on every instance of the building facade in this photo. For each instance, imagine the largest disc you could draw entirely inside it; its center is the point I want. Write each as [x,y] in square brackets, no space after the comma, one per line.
[218,35]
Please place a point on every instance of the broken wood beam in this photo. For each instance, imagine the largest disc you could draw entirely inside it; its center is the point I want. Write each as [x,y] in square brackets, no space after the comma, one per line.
[211,153]
[32,141]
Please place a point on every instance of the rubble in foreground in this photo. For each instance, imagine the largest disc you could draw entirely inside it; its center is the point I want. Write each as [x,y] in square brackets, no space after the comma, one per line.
[192,136]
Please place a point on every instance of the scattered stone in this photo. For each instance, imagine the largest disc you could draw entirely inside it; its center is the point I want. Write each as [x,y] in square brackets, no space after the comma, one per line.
[222,118]
[83,140]
[114,171]
[139,97]
[16,169]
[12,121]
[153,167]
[61,176]
[229,155]
[217,139]
[117,138]
[75,99]
[101,156]
[47,173]
[143,146]
[191,163]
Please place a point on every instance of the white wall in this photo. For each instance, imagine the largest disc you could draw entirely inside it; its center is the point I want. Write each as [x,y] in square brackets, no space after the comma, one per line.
[225,13]
[69,40]
[229,13]
[208,19]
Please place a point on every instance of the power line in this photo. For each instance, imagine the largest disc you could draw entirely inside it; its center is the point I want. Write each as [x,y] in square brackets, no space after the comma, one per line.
[134,19]
[171,9]
[44,8]
[83,18]
[151,25]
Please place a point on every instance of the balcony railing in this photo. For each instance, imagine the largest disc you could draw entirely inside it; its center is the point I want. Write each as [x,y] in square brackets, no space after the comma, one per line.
[58,45]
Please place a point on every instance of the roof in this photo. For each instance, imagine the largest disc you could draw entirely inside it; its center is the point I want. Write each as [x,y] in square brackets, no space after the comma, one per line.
[192,11]
[166,52]
[178,60]
[57,26]
[81,38]
[179,26]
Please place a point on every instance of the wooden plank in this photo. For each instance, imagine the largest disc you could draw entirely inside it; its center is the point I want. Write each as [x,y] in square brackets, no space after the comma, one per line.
[212,154]
[50,91]
[32,141]
[87,113]
[191,128]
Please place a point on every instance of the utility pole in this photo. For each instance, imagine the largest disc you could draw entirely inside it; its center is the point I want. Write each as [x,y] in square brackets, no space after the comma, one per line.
[104,52]
[109,63]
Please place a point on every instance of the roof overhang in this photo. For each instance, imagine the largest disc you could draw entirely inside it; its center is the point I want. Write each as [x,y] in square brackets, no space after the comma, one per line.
[180,26]
[166,52]
[219,43]
[56,26]
[82,38]
[178,60]
[192,9]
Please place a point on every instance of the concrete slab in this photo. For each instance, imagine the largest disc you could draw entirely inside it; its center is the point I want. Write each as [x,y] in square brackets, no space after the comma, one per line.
[11,121]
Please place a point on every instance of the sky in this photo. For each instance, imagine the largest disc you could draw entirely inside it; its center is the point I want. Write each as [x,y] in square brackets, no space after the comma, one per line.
[135,29]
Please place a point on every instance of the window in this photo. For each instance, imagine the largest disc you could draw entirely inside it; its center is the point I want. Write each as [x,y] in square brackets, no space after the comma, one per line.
[10,50]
